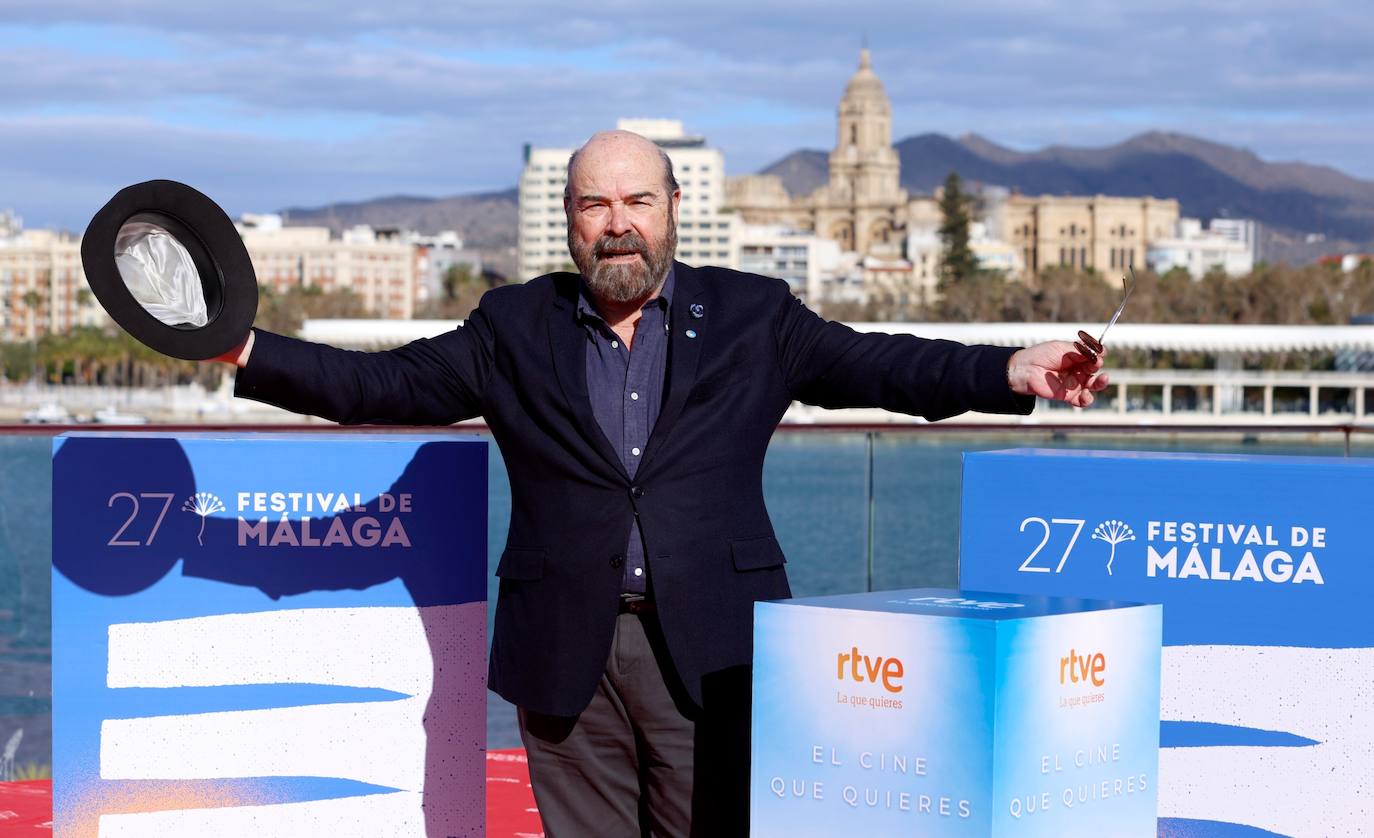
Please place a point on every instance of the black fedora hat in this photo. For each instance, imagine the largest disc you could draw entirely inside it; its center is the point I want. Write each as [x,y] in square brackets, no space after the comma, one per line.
[171,269]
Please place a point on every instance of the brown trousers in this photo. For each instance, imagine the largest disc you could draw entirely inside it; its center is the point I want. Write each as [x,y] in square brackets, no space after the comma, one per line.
[642,760]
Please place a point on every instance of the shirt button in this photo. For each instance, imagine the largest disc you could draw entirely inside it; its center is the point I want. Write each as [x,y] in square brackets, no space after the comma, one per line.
[617,560]
[634,396]
[634,451]
[639,571]
[615,344]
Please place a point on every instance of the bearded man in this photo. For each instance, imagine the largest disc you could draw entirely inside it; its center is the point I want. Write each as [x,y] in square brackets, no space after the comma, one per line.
[633,404]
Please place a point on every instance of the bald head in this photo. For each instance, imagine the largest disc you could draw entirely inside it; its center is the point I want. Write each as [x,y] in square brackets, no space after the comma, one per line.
[620,147]
[622,203]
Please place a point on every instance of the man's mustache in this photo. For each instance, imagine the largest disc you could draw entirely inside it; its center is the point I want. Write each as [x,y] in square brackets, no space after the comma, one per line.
[620,246]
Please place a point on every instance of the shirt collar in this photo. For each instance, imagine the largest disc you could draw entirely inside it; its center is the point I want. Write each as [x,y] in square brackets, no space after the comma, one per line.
[586,308]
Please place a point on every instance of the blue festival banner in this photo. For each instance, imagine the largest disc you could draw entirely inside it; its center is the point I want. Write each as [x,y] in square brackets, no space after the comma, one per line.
[268,635]
[954,713]
[1263,565]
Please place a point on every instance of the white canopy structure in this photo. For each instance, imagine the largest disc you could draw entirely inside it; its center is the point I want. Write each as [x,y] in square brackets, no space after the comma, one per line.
[1211,338]
[1226,394]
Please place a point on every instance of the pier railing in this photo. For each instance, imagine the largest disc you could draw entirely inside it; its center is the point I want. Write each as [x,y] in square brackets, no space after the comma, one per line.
[855,506]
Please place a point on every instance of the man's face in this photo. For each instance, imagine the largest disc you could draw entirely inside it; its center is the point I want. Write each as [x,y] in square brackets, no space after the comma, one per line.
[622,222]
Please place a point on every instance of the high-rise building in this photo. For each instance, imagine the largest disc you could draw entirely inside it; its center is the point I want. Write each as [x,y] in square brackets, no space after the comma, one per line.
[705,234]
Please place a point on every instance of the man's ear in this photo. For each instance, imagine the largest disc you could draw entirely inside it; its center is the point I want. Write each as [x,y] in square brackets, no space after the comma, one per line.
[675,202]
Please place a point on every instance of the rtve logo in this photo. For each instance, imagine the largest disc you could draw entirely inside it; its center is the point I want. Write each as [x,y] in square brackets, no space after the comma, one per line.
[1076,668]
[887,670]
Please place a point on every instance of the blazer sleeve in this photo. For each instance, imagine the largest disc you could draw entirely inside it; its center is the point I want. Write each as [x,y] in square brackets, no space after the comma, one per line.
[830,365]
[434,381]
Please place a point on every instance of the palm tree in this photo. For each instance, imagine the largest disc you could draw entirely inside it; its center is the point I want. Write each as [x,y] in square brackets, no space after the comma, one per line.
[32,300]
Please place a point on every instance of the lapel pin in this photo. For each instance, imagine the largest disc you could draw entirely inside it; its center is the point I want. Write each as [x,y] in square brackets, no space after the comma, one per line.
[691,333]
[697,311]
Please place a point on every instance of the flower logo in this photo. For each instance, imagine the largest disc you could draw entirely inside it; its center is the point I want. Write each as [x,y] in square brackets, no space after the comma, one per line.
[206,504]
[1113,532]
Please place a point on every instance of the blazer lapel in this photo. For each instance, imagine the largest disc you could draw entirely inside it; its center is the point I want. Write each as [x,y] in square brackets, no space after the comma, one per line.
[568,342]
[684,352]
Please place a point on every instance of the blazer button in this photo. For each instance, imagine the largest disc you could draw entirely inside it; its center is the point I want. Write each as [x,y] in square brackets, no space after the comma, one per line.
[636,491]
[617,560]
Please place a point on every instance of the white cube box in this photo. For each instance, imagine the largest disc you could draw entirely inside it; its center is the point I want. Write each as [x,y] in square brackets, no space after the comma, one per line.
[955,713]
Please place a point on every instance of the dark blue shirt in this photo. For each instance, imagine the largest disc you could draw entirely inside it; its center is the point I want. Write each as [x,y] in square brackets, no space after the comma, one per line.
[626,391]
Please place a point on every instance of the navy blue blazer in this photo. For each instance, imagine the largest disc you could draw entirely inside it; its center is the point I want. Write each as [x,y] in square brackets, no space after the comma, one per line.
[519,361]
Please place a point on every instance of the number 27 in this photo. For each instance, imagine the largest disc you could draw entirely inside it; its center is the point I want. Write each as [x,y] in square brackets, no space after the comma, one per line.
[1027,567]
[165,497]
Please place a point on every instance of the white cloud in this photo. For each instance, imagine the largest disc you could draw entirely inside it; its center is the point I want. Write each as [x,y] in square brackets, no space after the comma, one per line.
[307,102]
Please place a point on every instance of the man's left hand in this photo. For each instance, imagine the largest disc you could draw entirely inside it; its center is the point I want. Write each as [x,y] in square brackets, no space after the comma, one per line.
[1056,370]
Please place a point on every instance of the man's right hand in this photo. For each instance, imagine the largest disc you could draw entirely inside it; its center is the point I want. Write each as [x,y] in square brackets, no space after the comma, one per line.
[238,356]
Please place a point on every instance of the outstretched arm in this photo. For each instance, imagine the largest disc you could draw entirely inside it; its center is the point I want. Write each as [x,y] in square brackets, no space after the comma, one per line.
[830,365]
[434,381]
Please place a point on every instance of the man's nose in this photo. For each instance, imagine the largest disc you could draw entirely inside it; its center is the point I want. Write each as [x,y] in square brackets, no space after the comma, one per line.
[619,223]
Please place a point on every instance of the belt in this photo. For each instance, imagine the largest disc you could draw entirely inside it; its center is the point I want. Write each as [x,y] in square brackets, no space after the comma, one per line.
[636,604]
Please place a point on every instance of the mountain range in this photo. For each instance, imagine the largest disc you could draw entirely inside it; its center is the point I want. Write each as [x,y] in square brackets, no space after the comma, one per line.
[1291,200]
[1305,210]
[487,221]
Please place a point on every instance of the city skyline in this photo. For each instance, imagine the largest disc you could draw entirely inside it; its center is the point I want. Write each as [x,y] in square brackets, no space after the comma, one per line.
[264,107]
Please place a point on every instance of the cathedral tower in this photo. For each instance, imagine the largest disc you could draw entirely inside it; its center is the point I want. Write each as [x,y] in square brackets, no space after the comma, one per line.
[865,172]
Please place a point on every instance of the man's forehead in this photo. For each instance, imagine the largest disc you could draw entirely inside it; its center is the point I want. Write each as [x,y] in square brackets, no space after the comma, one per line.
[619,163]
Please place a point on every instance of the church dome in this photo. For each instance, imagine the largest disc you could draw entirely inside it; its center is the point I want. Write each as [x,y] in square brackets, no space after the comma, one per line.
[865,83]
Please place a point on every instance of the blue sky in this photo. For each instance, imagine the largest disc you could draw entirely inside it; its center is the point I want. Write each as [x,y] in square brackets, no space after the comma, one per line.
[264,105]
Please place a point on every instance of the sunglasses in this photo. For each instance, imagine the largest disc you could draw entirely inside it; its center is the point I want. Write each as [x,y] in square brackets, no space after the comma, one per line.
[1092,347]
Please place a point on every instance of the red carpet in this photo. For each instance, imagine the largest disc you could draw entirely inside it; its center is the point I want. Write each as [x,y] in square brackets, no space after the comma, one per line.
[510,803]
[26,808]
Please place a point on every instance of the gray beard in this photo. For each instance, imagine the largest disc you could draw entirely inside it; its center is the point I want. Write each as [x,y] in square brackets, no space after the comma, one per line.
[621,283]
[625,283]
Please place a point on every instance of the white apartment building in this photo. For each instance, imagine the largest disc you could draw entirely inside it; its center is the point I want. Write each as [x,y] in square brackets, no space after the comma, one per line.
[992,253]
[1242,230]
[810,264]
[436,255]
[1200,251]
[706,236]
[924,251]
[43,288]
[382,268]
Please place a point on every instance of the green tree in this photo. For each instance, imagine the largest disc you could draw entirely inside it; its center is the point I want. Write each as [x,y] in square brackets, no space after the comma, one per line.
[32,302]
[1063,295]
[462,290]
[284,312]
[957,263]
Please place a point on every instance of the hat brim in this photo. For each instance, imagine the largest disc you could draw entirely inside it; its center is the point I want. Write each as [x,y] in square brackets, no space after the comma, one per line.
[216,248]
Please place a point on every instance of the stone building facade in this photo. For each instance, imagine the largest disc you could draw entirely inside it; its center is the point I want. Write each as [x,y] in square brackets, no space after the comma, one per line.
[1099,232]
[862,207]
